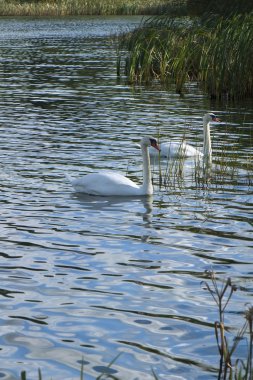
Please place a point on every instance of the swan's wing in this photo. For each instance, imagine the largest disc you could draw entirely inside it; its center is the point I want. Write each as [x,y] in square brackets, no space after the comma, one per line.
[106,184]
[167,149]
[175,149]
[190,151]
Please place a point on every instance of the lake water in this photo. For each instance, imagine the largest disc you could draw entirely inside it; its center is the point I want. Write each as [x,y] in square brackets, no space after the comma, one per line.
[86,278]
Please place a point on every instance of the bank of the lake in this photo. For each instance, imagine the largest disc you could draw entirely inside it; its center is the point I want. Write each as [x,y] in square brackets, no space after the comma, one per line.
[80,7]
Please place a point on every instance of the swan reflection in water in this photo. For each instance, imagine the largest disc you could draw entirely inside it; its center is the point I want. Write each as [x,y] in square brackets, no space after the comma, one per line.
[119,204]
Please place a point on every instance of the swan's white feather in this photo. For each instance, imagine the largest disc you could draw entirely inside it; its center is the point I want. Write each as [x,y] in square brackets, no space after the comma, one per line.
[176,149]
[181,149]
[111,183]
[106,184]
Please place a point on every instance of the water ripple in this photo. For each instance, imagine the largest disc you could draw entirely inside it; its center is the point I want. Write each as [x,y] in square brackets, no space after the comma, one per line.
[111,278]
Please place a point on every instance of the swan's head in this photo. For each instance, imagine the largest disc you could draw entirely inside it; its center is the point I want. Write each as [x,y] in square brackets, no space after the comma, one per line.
[150,141]
[210,117]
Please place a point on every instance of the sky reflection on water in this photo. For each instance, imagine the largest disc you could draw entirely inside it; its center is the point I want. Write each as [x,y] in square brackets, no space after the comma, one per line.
[94,277]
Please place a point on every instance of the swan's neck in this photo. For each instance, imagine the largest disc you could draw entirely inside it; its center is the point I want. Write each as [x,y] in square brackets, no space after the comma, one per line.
[147,187]
[207,141]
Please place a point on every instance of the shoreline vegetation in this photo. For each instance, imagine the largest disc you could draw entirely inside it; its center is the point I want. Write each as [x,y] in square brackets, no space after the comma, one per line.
[39,8]
[207,42]
[212,49]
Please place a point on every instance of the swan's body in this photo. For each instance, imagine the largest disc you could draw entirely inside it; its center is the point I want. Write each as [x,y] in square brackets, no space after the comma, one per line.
[178,149]
[111,183]
[106,184]
[181,149]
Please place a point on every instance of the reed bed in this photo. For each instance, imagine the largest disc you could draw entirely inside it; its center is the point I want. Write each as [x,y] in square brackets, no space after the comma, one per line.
[227,166]
[217,54]
[221,172]
[81,7]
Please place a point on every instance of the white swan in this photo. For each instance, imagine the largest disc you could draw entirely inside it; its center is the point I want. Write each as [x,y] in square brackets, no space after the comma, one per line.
[111,183]
[181,149]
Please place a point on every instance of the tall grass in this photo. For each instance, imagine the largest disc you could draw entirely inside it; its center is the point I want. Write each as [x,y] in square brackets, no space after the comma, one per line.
[226,67]
[218,171]
[81,7]
[229,367]
[217,55]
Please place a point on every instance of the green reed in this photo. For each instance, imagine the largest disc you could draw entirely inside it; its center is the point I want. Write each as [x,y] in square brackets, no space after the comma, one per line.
[226,68]
[81,7]
[229,367]
[173,173]
[216,54]
[220,170]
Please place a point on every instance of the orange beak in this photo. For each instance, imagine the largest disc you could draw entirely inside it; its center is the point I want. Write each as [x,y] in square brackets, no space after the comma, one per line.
[155,145]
